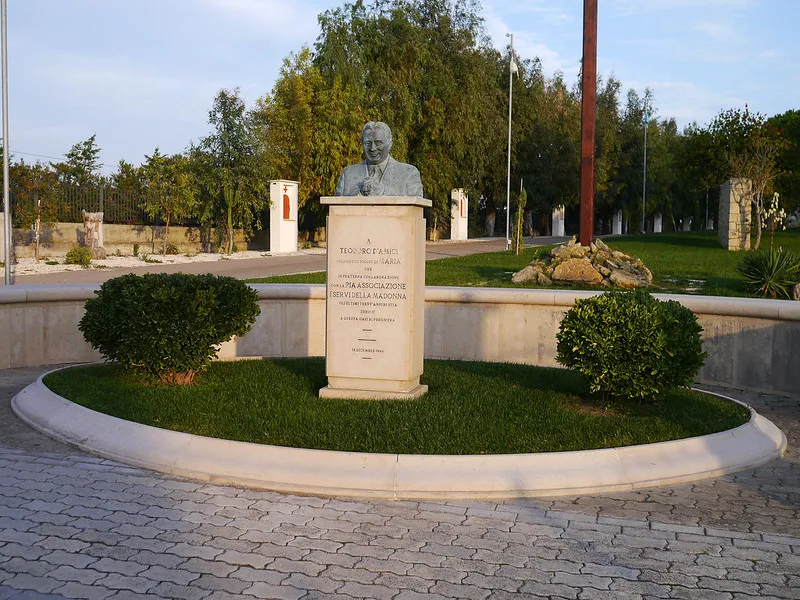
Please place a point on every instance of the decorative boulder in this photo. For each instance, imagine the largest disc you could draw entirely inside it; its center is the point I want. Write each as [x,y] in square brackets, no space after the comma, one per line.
[596,264]
[577,270]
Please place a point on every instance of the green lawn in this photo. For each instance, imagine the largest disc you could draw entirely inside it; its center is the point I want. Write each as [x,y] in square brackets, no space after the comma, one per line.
[684,262]
[471,408]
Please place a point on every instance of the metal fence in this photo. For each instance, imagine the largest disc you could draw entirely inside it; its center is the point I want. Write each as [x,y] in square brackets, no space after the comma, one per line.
[117,206]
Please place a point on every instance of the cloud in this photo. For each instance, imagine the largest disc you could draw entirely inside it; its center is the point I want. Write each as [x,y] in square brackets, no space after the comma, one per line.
[716,30]
[281,20]
[688,101]
[635,7]
[527,45]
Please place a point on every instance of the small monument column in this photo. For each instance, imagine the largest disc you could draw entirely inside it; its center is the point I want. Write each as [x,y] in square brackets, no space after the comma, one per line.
[458,215]
[657,223]
[734,214]
[283,216]
[558,222]
[616,223]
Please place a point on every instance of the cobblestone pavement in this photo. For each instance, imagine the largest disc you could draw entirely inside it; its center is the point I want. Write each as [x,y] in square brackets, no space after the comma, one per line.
[77,526]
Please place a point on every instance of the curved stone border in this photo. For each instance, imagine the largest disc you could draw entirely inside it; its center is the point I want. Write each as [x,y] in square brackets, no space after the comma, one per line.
[400,476]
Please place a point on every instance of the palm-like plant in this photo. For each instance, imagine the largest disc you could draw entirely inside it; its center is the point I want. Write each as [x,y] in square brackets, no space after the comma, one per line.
[770,273]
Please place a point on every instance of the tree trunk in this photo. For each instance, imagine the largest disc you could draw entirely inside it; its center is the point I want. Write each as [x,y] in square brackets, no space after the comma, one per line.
[166,235]
[38,228]
[491,215]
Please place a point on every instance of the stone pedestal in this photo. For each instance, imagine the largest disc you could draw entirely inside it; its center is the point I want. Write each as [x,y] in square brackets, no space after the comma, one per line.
[734,214]
[616,223]
[458,215]
[375,297]
[93,234]
[657,223]
[558,221]
[283,216]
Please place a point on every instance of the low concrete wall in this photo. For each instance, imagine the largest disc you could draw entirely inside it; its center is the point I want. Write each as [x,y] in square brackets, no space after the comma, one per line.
[57,239]
[752,344]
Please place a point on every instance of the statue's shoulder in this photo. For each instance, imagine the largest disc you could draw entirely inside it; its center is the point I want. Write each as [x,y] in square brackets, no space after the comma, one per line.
[404,166]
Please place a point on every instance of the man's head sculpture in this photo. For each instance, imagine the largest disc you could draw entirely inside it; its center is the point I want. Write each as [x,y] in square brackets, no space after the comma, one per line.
[376,138]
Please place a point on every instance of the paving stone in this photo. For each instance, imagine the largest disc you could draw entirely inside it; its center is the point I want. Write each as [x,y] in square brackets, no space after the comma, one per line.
[349,574]
[37,568]
[549,590]
[179,592]
[331,558]
[25,581]
[262,575]
[285,565]
[179,576]
[450,590]
[67,573]
[148,558]
[87,592]
[190,550]
[213,583]
[115,581]
[402,582]
[274,592]
[491,582]
[438,573]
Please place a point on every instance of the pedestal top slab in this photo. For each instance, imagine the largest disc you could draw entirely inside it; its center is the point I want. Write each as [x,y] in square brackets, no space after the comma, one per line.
[377,200]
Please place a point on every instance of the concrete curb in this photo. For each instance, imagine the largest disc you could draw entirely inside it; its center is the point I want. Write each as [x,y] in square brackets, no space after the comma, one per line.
[400,476]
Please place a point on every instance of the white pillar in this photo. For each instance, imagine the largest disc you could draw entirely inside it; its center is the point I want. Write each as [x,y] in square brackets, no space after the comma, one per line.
[558,221]
[459,215]
[616,224]
[710,224]
[657,223]
[283,216]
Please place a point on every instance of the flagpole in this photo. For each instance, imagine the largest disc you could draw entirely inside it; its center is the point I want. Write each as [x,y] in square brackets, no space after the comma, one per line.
[508,175]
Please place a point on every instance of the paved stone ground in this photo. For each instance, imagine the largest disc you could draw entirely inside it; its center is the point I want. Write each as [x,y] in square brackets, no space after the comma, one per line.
[77,526]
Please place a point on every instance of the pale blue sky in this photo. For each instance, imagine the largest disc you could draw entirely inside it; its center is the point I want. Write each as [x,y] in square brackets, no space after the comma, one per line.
[143,73]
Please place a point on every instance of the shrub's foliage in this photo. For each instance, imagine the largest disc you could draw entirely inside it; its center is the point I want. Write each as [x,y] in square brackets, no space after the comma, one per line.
[770,273]
[629,345]
[167,324]
[79,256]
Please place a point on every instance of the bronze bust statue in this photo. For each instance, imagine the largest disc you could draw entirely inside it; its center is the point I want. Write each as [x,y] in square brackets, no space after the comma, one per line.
[379,174]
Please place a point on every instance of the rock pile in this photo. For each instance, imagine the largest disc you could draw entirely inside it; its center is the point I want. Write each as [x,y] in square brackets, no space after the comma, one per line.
[592,265]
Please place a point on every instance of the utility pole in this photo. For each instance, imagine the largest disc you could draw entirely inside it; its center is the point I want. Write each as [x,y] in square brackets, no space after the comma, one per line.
[588,111]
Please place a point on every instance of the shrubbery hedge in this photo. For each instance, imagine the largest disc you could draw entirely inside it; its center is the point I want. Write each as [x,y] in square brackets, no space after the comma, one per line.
[629,345]
[167,325]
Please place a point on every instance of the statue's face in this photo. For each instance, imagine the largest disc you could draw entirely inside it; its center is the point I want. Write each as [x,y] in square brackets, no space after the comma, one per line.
[376,146]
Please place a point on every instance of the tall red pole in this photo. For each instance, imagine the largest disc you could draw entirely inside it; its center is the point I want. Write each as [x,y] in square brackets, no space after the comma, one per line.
[588,110]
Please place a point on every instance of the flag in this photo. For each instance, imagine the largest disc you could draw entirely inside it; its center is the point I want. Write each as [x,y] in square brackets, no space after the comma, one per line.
[514,67]
[645,116]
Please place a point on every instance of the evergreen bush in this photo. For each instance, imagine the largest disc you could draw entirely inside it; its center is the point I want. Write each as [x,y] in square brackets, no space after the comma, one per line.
[79,256]
[770,273]
[631,346]
[167,325]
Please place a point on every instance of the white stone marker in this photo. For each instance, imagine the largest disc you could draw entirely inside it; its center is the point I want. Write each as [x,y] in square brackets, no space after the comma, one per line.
[458,215]
[616,223]
[375,323]
[558,221]
[710,223]
[657,223]
[687,224]
[283,216]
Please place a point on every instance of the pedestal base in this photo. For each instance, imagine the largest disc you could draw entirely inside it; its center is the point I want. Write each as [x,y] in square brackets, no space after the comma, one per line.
[329,392]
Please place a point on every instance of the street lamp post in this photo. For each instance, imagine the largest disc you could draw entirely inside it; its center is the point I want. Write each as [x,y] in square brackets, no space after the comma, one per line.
[6,201]
[644,176]
[512,66]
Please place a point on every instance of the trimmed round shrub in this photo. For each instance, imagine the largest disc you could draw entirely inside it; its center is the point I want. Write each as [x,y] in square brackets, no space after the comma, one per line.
[79,256]
[629,345]
[770,273]
[167,325]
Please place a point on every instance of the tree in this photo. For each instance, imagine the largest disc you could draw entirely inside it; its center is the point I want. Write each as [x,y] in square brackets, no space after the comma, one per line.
[82,167]
[230,166]
[34,189]
[750,149]
[788,179]
[170,193]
